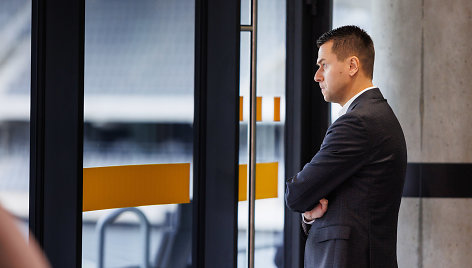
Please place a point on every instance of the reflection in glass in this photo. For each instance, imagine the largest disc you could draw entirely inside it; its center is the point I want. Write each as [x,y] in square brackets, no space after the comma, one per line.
[270,134]
[138,109]
[15,77]
[244,86]
[269,218]
[246,12]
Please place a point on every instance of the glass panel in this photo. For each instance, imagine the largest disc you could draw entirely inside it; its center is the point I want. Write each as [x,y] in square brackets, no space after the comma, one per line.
[138,109]
[15,80]
[246,12]
[244,87]
[269,221]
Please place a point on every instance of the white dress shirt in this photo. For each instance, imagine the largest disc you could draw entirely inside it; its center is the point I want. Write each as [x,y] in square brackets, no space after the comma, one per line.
[348,103]
[341,113]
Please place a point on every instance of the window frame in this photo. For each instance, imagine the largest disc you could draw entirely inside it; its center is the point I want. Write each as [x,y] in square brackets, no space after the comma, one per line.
[56,132]
[216,130]
[57,54]
[307,114]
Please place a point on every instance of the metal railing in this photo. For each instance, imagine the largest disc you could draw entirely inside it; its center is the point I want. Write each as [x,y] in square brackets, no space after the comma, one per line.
[109,219]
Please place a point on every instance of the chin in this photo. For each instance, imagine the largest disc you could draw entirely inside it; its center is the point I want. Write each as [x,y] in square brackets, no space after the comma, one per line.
[325,96]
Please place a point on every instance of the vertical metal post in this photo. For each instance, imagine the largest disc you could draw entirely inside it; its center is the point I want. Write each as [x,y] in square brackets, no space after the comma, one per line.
[251,171]
[216,134]
[251,194]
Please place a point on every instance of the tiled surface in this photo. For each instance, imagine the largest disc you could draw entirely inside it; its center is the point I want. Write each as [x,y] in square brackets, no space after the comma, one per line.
[403,33]
[423,67]
[408,233]
[447,232]
[447,81]
[397,70]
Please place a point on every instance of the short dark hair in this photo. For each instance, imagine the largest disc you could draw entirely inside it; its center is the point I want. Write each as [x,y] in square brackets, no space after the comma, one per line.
[351,40]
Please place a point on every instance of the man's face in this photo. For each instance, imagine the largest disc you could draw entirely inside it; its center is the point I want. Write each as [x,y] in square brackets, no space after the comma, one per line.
[332,75]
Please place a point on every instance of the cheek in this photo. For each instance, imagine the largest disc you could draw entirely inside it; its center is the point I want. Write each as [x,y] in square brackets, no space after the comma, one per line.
[337,76]
[329,77]
[338,73]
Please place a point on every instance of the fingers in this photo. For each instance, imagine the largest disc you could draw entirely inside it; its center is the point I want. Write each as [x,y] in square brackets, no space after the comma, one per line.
[318,211]
[324,205]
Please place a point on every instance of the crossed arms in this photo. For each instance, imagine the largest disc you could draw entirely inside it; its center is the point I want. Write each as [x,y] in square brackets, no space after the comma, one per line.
[343,152]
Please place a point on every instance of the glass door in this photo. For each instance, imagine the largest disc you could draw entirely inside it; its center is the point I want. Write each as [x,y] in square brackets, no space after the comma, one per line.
[270,123]
[15,70]
[138,133]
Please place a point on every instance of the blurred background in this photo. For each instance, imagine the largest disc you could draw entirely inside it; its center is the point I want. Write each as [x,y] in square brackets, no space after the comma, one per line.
[139,109]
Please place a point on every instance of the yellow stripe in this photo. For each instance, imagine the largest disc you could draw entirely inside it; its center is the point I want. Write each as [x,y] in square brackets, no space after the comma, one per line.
[266,180]
[240,108]
[259,109]
[139,185]
[276,109]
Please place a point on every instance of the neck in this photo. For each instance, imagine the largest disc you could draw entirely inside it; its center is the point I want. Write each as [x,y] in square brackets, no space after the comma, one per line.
[357,86]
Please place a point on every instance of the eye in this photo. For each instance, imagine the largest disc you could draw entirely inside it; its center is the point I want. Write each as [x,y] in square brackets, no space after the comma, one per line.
[324,65]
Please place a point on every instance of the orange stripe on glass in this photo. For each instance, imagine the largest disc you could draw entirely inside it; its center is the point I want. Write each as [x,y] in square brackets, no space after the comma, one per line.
[277,109]
[266,180]
[137,185]
[259,109]
[241,108]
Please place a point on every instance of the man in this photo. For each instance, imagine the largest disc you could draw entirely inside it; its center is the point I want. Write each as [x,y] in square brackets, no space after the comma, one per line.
[360,167]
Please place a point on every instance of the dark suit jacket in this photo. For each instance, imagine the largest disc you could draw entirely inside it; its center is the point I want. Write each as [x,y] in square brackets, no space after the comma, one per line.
[360,168]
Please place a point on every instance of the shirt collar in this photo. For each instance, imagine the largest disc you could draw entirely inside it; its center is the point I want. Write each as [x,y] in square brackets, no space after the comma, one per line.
[348,103]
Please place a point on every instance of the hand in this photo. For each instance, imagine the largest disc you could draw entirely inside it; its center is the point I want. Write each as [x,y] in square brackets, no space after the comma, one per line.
[318,211]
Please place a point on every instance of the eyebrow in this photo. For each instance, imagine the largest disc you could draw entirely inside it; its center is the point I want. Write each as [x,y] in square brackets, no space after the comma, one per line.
[319,61]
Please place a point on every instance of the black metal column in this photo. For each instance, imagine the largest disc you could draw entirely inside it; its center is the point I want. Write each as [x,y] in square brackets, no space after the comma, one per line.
[307,114]
[216,128]
[57,66]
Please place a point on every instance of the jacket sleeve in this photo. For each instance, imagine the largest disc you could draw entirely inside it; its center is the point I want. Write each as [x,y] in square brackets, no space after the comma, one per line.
[343,152]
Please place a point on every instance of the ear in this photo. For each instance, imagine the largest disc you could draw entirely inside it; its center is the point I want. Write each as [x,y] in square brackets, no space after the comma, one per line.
[354,65]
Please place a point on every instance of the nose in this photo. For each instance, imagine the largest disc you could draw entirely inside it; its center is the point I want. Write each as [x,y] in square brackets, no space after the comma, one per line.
[318,77]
